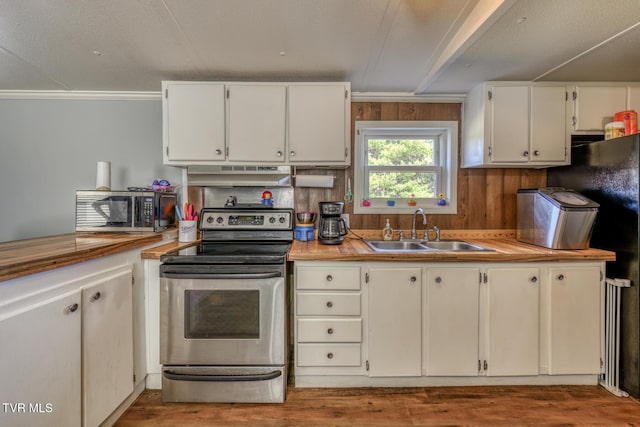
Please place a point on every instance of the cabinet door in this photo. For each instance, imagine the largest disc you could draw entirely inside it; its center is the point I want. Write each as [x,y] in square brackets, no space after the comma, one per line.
[509,118]
[394,320]
[40,364]
[574,320]
[634,98]
[107,346]
[257,123]
[548,120]
[512,321]
[452,321]
[317,123]
[194,124]
[596,105]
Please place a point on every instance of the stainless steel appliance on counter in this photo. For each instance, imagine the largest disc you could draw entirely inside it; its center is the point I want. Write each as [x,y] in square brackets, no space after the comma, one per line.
[125,211]
[331,227]
[607,172]
[223,309]
[555,218]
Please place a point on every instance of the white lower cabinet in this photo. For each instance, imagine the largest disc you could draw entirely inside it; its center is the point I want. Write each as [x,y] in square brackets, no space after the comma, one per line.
[512,321]
[328,319]
[40,363]
[451,313]
[412,324]
[394,322]
[574,318]
[107,345]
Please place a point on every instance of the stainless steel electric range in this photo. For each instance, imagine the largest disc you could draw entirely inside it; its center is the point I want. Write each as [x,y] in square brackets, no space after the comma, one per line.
[223,309]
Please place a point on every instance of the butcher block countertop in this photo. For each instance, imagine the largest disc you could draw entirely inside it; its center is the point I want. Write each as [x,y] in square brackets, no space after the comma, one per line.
[506,249]
[22,257]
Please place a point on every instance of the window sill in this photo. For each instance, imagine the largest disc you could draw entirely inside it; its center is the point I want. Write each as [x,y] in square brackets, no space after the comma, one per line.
[449,209]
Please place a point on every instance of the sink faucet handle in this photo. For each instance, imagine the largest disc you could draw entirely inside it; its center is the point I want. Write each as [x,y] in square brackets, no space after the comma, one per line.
[435,229]
[401,234]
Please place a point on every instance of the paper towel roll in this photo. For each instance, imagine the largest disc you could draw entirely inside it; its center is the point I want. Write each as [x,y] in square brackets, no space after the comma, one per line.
[324,181]
[103,176]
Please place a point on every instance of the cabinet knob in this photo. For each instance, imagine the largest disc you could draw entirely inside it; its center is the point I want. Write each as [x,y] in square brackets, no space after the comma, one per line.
[438,279]
[292,153]
[96,296]
[525,154]
[561,277]
[330,331]
[279,153]
[413,279]
[534,279]
[329,355]
[218,152]
[329,277]
[73,307]
[329,304]
[536,153]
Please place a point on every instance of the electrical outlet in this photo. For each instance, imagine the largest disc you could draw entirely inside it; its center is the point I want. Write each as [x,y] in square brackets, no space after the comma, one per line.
[346,219]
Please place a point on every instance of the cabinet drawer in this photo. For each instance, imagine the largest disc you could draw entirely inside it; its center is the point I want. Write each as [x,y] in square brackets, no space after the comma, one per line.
[323,304]
[329,330]
[329,355]
[326,278]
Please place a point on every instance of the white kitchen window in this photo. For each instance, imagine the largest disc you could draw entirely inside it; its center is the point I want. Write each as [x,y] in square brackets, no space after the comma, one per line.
[402,165]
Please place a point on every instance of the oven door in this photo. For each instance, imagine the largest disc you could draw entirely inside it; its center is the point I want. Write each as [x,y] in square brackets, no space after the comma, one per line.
[234,317]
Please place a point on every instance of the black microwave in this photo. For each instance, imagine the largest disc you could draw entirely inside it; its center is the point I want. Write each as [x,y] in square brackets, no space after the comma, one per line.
[125,211]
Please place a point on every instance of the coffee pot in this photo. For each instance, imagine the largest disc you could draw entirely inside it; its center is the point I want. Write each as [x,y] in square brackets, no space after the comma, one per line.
[331,227]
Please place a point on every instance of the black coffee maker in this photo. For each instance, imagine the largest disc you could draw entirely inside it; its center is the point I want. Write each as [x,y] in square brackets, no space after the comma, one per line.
[331,227]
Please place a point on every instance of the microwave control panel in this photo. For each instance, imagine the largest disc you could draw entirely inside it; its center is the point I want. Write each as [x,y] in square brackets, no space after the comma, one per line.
[246,220]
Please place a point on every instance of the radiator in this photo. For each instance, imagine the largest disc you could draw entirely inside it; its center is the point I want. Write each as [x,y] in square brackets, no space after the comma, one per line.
[610,378]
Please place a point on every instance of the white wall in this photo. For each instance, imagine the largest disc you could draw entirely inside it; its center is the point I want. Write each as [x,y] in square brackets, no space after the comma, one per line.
[49,148]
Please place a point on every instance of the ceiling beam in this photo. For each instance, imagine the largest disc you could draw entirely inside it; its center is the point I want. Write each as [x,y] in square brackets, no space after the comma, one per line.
[483,15]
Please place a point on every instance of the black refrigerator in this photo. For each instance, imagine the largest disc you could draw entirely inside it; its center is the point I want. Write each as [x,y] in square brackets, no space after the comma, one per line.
[607,172]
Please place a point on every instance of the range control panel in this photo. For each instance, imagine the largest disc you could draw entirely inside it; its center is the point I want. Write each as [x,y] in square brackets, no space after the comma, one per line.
[272,219]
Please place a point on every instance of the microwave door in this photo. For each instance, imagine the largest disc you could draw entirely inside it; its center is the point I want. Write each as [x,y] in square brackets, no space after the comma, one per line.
[115,210]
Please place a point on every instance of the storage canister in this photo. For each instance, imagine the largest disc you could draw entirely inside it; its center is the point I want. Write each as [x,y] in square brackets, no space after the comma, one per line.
[614,130]
[630,120]
[305,232]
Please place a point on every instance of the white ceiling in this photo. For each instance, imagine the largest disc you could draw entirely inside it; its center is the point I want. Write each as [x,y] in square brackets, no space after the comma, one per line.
[400,46]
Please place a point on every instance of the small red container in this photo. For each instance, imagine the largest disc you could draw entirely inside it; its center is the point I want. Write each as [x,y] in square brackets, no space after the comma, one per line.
[630,119]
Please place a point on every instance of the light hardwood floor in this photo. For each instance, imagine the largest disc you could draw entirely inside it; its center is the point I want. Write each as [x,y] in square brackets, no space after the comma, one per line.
[372,407]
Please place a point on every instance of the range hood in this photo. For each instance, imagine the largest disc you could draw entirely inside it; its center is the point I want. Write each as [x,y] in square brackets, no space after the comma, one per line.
[239,176]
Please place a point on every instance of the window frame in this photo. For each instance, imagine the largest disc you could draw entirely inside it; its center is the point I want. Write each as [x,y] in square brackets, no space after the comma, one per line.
[447,183]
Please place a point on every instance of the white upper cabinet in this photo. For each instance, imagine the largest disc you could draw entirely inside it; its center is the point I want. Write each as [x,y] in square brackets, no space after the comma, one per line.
[239,123]
[257,125]
[193,122]
[515,125]
[319,123]
[594,106]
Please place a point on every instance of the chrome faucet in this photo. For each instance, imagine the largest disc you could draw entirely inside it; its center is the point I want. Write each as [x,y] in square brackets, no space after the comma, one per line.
[414,235]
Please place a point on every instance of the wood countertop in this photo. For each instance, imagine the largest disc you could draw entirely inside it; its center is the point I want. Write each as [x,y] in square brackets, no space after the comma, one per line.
[23,257]
[505,249]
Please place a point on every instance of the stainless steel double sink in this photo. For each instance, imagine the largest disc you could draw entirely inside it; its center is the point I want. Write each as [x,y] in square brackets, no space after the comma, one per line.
[423,246]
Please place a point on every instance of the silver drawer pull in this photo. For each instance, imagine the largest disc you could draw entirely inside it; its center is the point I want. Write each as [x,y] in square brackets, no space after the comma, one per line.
[73,307]
[329,304]
[330,356]
[534,279]
[561,277]
[330,331]
[329,278]
[96,296]
[438,279]
[413,279]
[218,152]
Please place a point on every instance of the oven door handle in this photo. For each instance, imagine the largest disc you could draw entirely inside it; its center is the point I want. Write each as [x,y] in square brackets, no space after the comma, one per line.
[222,275]
[222,378]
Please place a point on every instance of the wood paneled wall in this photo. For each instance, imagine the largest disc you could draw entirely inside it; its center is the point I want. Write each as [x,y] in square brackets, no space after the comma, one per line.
[486,197]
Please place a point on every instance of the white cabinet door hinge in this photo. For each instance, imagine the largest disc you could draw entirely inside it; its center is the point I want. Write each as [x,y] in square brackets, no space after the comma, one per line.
[575,95]
[490,95]
[485,279]
[367,364]
[486,365]
[366,277]
[166,93]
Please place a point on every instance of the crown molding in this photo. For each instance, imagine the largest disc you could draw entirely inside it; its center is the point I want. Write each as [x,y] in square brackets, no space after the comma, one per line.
[80,95]
[406,97]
